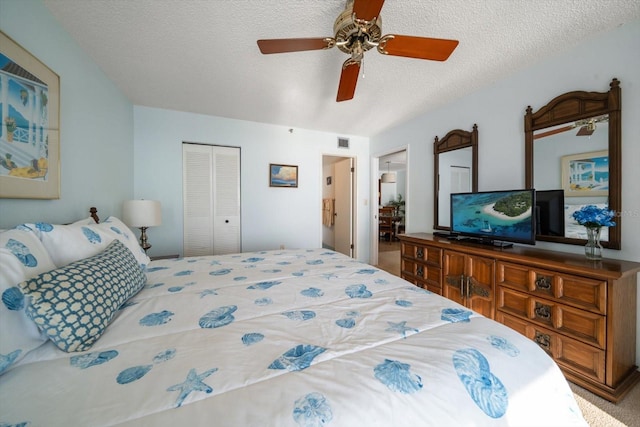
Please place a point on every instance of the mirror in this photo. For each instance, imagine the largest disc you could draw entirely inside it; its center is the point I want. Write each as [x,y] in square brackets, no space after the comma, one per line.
[572,149]
[455,171]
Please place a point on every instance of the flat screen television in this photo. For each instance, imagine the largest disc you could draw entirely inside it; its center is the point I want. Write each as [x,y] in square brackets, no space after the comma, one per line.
[498,218]
[550,212]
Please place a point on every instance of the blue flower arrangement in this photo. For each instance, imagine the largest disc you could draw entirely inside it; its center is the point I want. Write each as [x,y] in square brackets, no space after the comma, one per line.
[594,217]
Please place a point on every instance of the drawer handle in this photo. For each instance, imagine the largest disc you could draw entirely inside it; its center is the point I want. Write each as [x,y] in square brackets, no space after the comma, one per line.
[543,282]
[543,311]
[420,271]
[543,340]
[477,290]
[420,253]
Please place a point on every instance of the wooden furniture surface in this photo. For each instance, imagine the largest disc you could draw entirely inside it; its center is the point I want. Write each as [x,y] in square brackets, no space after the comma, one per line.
[581,312]
[386,224]
[385,227]
[386,211]
[469,280]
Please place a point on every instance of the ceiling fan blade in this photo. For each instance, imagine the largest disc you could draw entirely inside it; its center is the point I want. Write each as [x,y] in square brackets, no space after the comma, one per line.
[293,45]
[367,9]
[348,81]
[418,47]
[553,132]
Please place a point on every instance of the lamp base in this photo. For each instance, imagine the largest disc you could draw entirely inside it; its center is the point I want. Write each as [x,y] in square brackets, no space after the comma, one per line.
[143,239]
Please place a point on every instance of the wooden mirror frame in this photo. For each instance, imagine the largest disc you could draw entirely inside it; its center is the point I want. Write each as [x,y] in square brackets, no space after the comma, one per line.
[570,107]
[453,140]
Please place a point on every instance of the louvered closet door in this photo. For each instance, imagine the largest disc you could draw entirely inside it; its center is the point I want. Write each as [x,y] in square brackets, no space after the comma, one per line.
[226,206]
[211,189]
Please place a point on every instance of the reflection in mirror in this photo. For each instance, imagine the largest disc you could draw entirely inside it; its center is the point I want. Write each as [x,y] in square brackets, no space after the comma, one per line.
[573,146]
[455,171]
[571,170]
[455,177]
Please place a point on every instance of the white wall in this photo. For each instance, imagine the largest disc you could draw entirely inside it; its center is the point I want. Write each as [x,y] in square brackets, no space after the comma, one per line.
[270,216]
[96,124]
[499,112]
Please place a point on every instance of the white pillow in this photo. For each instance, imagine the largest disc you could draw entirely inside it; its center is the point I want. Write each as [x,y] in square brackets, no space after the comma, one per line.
[22,257]
[85,238]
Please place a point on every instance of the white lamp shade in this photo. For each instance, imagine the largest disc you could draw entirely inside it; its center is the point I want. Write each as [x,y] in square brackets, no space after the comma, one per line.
[388,177]
[142,213]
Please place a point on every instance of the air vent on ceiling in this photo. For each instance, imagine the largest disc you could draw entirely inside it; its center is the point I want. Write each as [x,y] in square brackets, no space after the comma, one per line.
[343,143]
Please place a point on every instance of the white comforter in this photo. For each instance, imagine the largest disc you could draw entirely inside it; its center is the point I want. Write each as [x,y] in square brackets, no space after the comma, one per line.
[290,338]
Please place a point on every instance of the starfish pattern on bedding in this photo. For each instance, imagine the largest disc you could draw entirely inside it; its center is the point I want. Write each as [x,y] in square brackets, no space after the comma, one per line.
[193,382]
[401,328]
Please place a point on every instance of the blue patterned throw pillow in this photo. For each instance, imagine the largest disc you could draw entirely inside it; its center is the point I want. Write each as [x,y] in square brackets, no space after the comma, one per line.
[73,305]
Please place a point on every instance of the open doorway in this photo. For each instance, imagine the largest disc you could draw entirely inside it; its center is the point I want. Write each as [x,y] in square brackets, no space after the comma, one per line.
[390,172]
[338,213]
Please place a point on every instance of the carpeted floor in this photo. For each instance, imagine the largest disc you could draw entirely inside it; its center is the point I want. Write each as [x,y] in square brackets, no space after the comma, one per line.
[597,411]
[601,413]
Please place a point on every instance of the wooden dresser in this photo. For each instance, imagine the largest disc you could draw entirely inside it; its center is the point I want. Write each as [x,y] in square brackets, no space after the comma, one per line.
[581,312]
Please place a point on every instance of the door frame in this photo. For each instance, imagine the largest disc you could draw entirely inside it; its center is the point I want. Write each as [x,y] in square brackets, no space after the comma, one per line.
[375,172]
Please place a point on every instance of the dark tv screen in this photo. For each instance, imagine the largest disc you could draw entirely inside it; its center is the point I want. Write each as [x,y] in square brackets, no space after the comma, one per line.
[494,217]
[550,212]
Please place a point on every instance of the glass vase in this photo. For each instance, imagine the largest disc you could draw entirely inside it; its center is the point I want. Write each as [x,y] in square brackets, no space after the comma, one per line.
[593,248]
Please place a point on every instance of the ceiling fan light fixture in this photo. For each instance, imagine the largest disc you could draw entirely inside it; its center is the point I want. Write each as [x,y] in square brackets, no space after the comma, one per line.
[587,129]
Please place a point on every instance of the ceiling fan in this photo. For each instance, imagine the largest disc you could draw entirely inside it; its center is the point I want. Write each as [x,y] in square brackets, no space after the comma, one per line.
[358,29]
[587,127]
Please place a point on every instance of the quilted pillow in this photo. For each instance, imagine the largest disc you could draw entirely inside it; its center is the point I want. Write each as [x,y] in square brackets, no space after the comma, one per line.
[22,256]
[73,305]
[85,238]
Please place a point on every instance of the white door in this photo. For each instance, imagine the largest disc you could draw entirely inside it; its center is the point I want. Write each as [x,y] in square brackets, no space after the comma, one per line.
[226,204]
[343,226]
[460,179]
[211,199]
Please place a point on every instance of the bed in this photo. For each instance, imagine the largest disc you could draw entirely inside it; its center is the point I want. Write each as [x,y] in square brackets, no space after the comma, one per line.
[304,337]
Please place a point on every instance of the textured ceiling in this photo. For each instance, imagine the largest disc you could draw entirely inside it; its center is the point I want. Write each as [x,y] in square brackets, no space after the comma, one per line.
[201,56]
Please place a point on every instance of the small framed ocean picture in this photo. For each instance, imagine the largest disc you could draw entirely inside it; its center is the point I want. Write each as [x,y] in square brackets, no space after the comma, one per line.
[283,175]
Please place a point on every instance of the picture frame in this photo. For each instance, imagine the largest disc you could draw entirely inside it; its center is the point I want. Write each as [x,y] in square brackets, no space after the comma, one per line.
[586,174]
[30,120]
[283,175]
[328,180]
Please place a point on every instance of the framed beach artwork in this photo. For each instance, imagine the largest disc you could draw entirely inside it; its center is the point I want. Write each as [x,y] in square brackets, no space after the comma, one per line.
[586,174]
[283,176]
[30,125]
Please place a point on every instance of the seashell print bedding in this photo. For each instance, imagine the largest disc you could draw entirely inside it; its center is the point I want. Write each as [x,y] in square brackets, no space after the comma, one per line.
[289,338]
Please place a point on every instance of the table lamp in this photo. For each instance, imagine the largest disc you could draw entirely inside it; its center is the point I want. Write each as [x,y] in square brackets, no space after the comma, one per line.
[142,214]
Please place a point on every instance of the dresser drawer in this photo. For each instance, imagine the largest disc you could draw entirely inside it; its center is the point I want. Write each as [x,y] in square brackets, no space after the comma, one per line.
[429,255]
[421,274]
[579,324]
[580,292]
[570,354]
